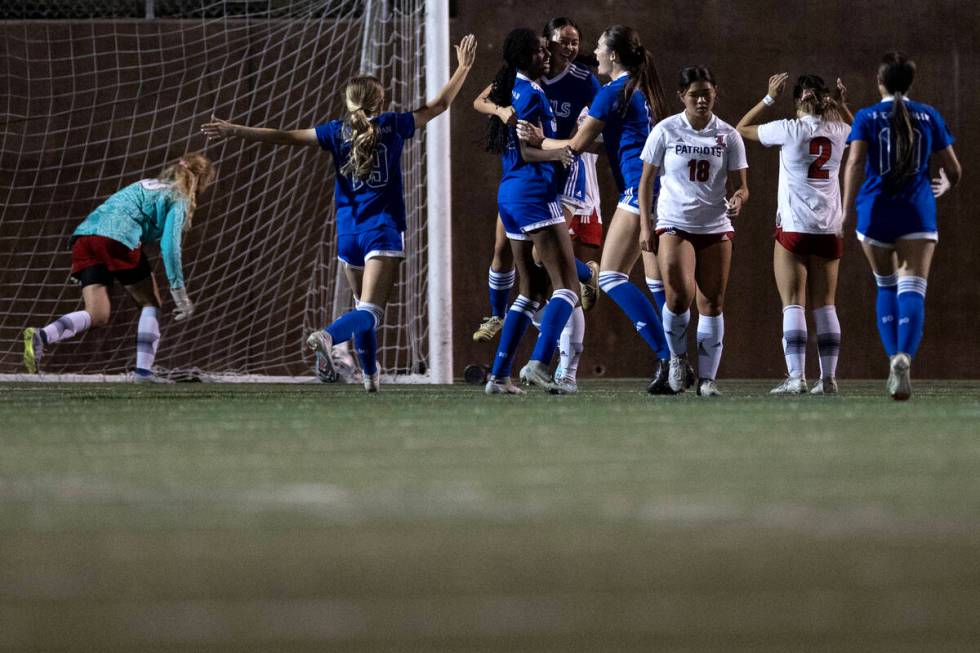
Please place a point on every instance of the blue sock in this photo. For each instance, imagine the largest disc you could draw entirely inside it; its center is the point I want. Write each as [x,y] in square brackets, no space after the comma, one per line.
[515,324]
[584,271]
[363,318]
[366,346]
[500,284]
[555,317]
[638,308]
[911,313]
[886,312]
[656,287]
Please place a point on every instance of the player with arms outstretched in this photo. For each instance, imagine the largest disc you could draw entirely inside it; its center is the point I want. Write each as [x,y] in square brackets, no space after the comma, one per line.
[809,219]
[896,206]
[108,246]
[696,152]
[366,147]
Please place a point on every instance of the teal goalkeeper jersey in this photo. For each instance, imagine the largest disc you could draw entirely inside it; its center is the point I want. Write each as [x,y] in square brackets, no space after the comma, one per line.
[146,211]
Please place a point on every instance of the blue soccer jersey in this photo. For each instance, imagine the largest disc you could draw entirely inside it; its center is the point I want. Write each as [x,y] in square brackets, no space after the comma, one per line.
[523,181]
[375,202]
[624,136]
[569,92]
[911,208]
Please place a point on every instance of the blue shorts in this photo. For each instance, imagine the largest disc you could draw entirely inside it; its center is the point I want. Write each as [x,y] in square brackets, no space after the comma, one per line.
[629,201]
[572,185]
[520,218]
[884,221]
[355,249]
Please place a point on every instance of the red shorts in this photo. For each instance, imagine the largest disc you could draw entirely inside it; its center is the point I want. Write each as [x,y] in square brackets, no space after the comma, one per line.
[829,246]
[97,259]
[699,241]
[587,233]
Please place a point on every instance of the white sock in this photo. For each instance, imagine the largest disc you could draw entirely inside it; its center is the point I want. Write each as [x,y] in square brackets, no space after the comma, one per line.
[67,326]
[828,339]
[675,328]
[536,318]
[711,335]
[570,344]
[147,338]
[794,340]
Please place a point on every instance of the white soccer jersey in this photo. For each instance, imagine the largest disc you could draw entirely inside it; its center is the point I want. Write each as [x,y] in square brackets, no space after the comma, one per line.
[694,166]
[809,162]
[591,203]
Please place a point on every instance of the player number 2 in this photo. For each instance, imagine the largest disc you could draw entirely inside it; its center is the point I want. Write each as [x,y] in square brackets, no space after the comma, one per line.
[700,169]
[821,147]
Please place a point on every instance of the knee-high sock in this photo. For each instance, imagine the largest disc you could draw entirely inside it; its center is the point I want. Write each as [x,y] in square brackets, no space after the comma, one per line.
[553,321]
[366,346]
[911,313]
[675,326]
[886,311]
[711,335]
[570,345]
[583,271]
[147,339]
[794,339]
[515,324]
[500,284]
[363,318]
[828,339]
[656,288]
[66,326]
[638,309]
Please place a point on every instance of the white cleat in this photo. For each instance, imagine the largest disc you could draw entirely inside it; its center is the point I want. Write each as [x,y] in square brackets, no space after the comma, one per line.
[708,388]
[565,386]
[535,373]
[321,343]
[372,382]
[793,385]
[899,383]
[677,377]
[502,386]
[827,386]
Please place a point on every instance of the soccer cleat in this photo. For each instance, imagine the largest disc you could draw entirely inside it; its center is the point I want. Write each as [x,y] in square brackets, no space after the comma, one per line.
[677,374]
[151,379]
[489,328]
[899,383]
[33,349]
[660,383]
[564,386]
[793,385]
[708,388]
[589,291]
[827,386]
[535,373]
[502,386]
[372,382]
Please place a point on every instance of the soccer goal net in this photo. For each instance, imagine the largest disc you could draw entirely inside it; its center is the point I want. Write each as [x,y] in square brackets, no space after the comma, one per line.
[100,94]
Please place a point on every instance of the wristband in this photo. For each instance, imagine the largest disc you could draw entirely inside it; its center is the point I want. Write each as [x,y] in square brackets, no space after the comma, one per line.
[769,100]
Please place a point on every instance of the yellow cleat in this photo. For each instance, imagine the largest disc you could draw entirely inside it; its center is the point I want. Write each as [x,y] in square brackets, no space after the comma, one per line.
[33,348]
[589,291]
[489,328]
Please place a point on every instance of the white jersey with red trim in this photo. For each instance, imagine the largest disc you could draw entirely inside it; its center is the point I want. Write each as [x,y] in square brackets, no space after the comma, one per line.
[694,165]
[809,165]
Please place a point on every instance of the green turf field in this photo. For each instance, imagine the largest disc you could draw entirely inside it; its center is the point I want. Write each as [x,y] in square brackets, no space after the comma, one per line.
[317,518]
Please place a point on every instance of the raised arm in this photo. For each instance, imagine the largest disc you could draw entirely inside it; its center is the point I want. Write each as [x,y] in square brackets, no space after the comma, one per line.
[748,126]
[486,106]
[842,101]
[466,55]
[219,130]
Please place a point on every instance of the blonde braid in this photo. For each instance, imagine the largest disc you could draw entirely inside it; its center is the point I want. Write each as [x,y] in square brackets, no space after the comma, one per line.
[364,97]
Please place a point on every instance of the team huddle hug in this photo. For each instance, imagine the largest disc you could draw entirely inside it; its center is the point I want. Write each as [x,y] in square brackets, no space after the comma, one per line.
[682,178]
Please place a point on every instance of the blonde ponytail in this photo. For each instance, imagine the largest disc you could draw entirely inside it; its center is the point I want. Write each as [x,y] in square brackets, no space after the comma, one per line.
[364,96]
[188,174]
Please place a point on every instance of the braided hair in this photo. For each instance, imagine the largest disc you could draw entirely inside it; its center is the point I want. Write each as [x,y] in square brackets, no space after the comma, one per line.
[364,97]
[519,48]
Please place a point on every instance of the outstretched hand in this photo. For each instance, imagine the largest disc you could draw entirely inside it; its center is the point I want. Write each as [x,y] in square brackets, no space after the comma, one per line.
[841,91]
[466,51]
[776,84]
[218,129]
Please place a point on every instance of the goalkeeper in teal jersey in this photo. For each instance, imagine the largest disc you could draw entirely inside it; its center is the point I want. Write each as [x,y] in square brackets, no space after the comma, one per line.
[107,247]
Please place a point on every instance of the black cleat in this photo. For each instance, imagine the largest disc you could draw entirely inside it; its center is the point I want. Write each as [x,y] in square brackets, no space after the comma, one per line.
[660,383]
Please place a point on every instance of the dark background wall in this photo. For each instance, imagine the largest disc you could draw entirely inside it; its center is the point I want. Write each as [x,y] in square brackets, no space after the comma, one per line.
[744,43]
